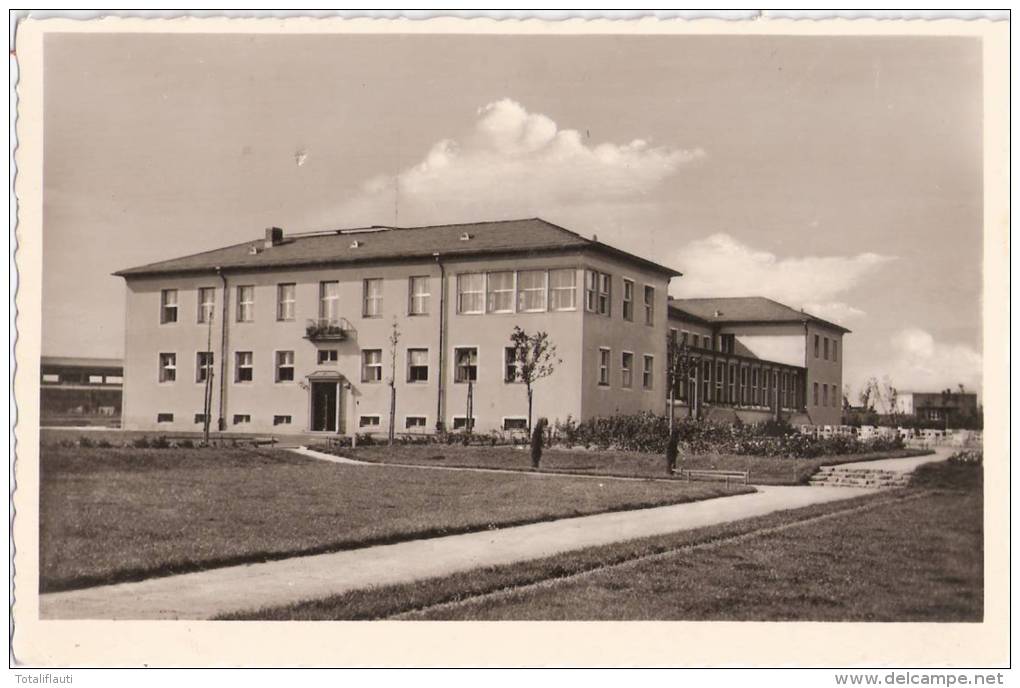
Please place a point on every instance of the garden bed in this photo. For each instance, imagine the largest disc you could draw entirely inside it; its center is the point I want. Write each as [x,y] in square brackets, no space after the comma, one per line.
[763,470]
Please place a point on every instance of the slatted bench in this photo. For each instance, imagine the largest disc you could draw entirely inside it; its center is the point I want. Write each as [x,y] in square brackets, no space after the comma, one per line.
[727,476]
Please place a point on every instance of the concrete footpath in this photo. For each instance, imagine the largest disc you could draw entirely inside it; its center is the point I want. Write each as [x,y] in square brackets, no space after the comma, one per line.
[205,594]
[904,465]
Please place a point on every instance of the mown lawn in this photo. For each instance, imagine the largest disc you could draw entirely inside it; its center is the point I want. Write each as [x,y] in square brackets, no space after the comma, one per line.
[764,470]
[119,514]
[901,555]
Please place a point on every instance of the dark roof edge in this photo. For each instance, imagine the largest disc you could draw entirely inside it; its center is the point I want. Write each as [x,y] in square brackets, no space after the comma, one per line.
[783,321]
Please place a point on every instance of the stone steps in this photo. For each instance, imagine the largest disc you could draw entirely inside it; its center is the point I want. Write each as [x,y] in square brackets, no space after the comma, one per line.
[834,476]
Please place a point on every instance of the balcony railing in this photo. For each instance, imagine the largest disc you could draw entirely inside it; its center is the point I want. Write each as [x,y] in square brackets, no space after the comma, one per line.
[322,329]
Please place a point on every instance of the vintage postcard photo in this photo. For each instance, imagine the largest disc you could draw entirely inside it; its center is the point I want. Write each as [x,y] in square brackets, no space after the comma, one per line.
[398,322]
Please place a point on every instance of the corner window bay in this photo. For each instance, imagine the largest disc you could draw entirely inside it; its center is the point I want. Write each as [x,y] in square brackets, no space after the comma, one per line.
[483,327]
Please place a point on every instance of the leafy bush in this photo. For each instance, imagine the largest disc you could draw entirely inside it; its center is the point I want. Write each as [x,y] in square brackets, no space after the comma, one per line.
[648,432]
[140,442]
[85,442]
[968,457]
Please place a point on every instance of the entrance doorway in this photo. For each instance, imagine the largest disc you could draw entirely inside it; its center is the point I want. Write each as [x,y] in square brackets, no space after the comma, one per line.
[325,406]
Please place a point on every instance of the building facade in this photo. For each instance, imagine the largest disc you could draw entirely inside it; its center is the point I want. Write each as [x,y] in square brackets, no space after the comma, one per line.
[758,360]
[80,391]
[295,334]
[950,408]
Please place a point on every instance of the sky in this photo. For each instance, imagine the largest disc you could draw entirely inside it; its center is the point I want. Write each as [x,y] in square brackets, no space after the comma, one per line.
[838,174]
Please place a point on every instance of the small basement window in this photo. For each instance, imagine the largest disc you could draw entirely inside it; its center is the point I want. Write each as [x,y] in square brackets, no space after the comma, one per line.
[515,423]
[200,418]
[368,422]
[414,422]
[241,418]
[164,418]
[460,423]
[282,420]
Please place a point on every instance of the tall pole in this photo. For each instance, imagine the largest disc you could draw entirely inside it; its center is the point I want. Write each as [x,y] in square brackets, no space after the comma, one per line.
[207,392]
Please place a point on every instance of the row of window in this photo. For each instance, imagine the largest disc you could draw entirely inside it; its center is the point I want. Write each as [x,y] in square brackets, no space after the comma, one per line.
[82,379]
[508,291]
[417,365]
[829,347]
[732,383]
[829,398]
[365,421]
[626,369]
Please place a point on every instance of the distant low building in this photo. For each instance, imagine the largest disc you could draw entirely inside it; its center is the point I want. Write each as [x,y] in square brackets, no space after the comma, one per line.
[81,391]
[950,408]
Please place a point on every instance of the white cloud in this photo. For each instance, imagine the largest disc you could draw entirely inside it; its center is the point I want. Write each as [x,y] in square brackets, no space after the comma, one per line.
[720,265]
[514,164]
[920,363]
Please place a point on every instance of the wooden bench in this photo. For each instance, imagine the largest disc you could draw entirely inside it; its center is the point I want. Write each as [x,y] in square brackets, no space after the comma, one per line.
[698,474]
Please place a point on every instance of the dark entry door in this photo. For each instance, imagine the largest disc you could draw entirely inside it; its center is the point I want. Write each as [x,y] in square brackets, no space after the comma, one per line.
[324,406]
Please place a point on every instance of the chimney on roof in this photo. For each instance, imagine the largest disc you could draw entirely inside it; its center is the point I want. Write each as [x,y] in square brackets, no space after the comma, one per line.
[274,236]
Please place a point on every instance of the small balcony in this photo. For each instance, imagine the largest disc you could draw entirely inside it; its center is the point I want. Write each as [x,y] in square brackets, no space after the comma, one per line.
[326,329]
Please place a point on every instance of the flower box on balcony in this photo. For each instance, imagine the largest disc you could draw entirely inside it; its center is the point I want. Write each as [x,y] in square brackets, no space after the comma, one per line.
[322,330]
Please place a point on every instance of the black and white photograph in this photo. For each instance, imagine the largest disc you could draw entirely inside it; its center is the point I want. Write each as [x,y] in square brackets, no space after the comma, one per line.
[510,322]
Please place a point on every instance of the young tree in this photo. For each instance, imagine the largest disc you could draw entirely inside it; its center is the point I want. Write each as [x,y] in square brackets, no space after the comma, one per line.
[535,358]
[868,394]
[679,364]
[394,338]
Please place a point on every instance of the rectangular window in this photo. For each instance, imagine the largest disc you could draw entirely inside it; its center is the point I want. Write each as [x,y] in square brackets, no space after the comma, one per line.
[604,356]
[245,303]
[732,380]
[371,365]
[817,340]
[626,369]
[168,306]
[465,360]
[329,301]
[563,289]
[597,292]
[114,379]
[815,394]
[368,421]
[242,418]
[720,370]
[164,418]
[649,305]
[417,365]
[167,367]
[515,423]
[755,397]
[372,302]
[825,349]
[244,369]
[531,291]
[282,420]
[727,343]
[200,419]
[203,365]
[95,379]
[471,293]
[50,377]
[206,304]
[511,371]
[825,395]
[419,294]
[706,381]
[499,294]
[461,423]
[327,356]
[285,302]
[647,377]
[673,334]
[743,386]
[834,347]
[285,366]
[414,422]
[628,299]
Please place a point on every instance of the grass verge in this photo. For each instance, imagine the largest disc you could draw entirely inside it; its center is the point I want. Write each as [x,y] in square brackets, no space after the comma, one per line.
[903,555]
[764,470]
[111,515]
